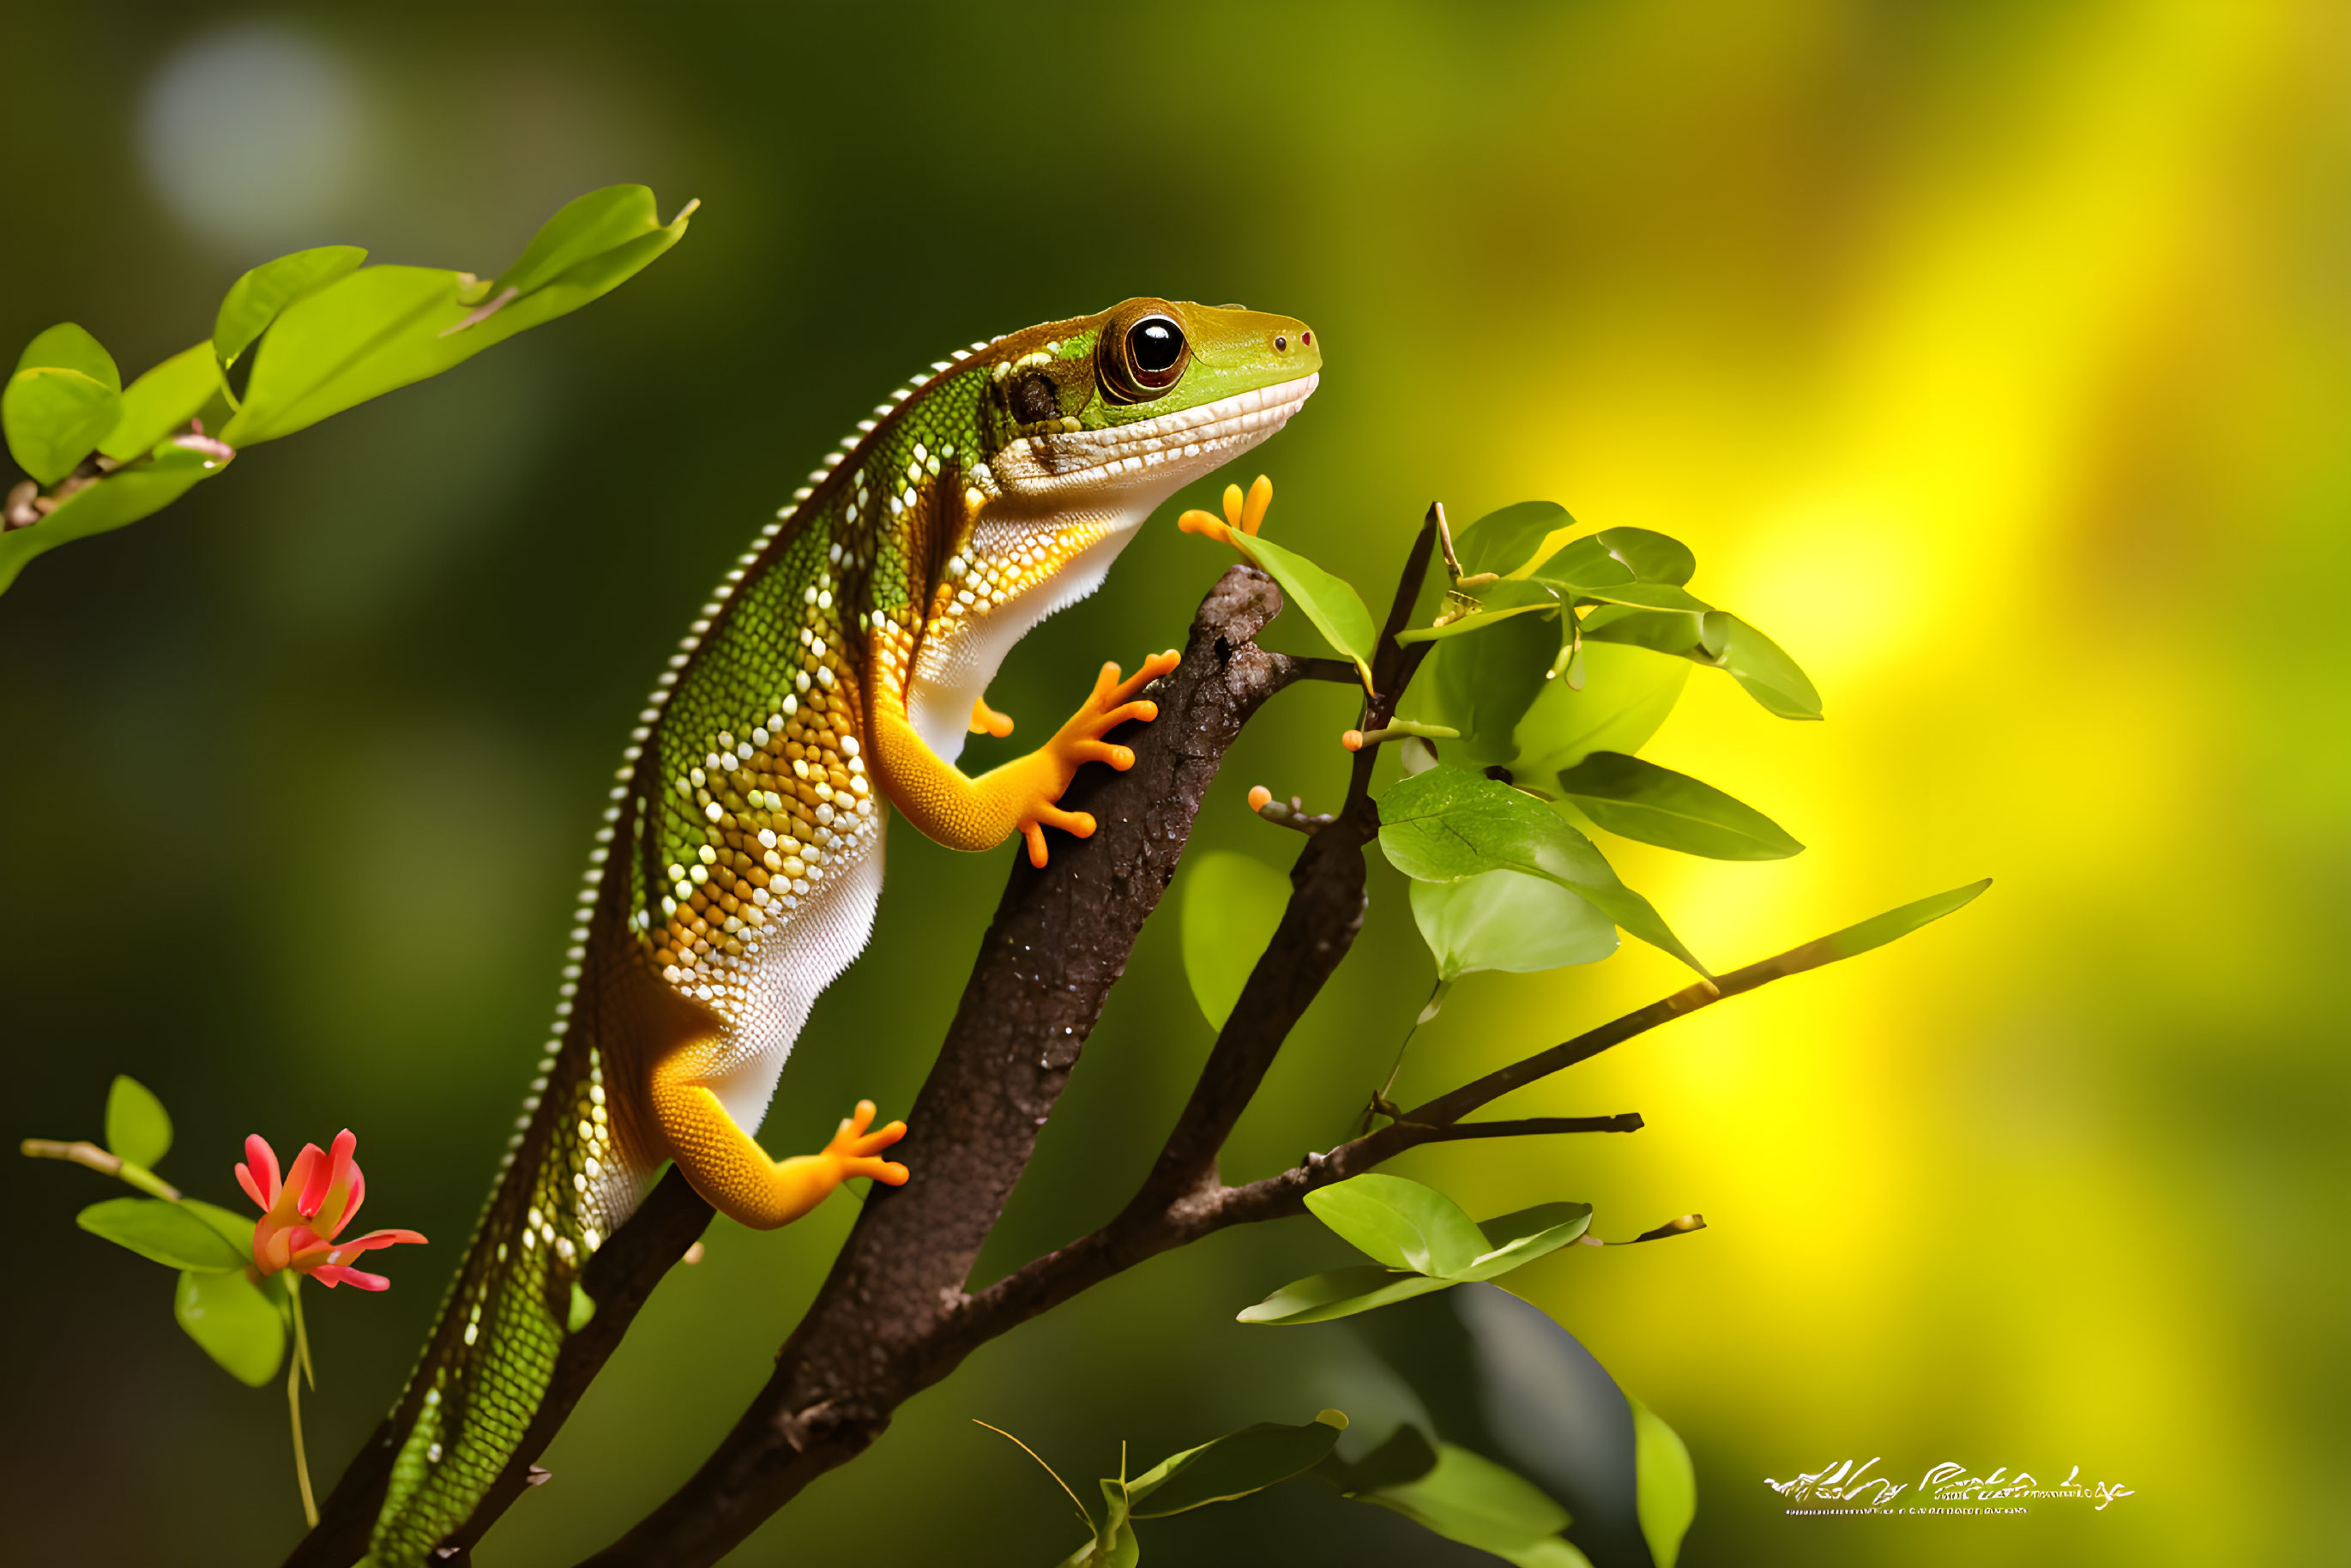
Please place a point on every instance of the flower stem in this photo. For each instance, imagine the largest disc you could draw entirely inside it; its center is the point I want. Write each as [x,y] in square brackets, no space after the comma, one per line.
[300,1362]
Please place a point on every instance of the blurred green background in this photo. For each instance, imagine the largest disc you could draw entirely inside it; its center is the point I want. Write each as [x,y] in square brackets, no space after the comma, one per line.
[1992,356]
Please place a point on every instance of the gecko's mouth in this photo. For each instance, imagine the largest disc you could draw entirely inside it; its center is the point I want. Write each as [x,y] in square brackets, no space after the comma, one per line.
[1163,452]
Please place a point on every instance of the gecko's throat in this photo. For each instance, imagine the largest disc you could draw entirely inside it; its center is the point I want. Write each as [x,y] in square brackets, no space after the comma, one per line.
[1153,455]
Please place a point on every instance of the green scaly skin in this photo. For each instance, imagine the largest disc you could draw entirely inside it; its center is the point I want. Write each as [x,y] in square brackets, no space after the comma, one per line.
[737,866]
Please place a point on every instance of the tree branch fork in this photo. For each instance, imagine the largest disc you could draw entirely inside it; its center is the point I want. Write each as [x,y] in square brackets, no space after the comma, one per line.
[896,1314]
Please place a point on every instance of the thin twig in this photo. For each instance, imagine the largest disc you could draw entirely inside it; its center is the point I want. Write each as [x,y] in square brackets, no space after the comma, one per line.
[1048,1470]
[1291,814]
[81,1152]
[1535,1126]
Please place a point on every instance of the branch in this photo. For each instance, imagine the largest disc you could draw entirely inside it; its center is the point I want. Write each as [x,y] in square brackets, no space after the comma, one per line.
[1338,672]
[1135,1236]
[883,1326]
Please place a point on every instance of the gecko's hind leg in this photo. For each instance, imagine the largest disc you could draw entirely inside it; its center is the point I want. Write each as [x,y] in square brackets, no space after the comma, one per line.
[734,1173]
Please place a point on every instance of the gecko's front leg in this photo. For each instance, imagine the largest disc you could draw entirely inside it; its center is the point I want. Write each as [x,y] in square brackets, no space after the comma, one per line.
[1020,797]
[732,1173]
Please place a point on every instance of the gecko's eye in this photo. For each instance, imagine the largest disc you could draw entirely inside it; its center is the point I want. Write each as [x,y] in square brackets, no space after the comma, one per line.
[1157,347]
[1145,361]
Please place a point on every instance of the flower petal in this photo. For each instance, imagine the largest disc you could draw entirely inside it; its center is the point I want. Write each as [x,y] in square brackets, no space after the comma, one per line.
[326,1175]
[273,1246]
[358,1244]
[259,1174]
[306,1169]
[335,1275]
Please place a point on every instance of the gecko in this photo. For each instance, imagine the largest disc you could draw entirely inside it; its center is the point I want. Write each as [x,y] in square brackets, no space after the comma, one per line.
[834,675]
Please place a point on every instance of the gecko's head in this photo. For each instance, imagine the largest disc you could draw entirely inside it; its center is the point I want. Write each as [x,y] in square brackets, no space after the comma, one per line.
[1125,406]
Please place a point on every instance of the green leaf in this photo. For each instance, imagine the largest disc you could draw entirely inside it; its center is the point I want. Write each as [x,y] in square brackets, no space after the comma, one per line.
[1332,604]
[138,1128]
[1611,557]
[1497,1376]
[383,327]
[1653,556]
[1758,664]
[1567,562]
[1660,630]
[1470,1498]
[163,1231]
[1402,1224]
[1475,621]
[226,1314]
[123,496]
[1502,541]
[255,300]
[1231,905]
[1658,596]
[1894,924]
[67,347]
[1406,1455]
[1667,1485]
[233,1228]
[53,419]
[1114,1546]
[584,227]
[1507,921]
[1527,1234]
[1236,1465]
[161,402]
[1658,806]
[1628,694]
[1341,1293]
[1448,824]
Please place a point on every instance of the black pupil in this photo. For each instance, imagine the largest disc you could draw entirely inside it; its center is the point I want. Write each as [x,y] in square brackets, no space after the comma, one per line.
[1155,346]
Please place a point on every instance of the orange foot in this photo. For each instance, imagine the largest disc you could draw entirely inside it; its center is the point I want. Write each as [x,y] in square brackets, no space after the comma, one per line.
[986,720]
[854,1151]
[1080,741]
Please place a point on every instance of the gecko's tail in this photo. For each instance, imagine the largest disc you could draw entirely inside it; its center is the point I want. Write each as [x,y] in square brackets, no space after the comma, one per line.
[571,1178]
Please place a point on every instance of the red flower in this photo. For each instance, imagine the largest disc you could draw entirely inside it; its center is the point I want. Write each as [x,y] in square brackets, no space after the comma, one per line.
[305,1213]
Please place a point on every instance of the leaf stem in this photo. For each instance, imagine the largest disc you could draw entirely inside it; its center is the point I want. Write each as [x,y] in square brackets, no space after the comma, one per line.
[300,1363]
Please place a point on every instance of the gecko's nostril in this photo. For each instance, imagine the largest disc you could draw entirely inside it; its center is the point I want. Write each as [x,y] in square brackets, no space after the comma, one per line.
[1280,343]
